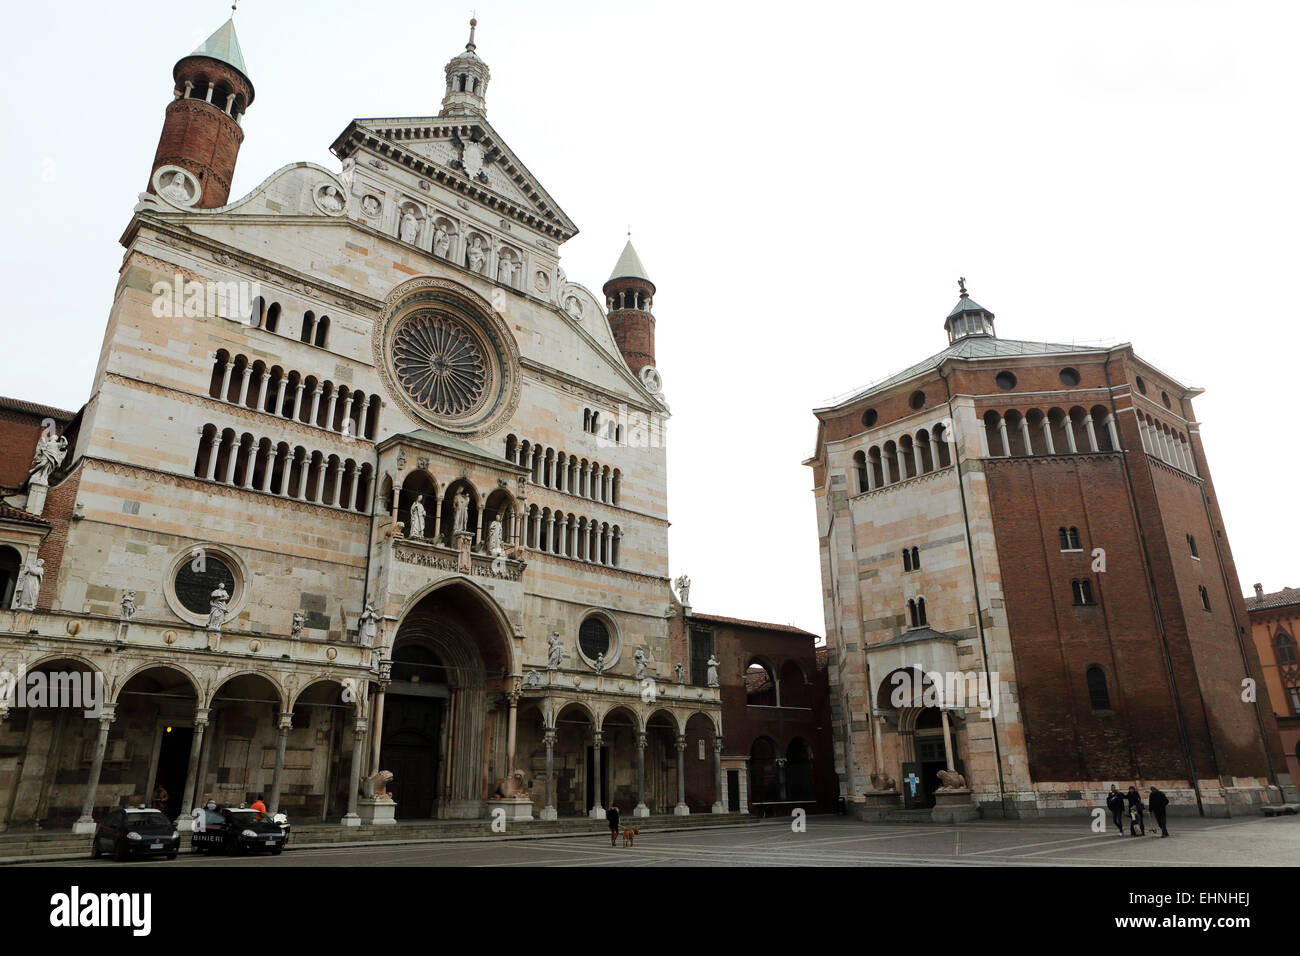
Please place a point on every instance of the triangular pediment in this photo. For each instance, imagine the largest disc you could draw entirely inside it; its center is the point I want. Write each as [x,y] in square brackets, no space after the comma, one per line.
[465,153]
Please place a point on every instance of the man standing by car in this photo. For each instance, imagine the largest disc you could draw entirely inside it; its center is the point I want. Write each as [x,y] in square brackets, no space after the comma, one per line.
[258,804]
[612,817]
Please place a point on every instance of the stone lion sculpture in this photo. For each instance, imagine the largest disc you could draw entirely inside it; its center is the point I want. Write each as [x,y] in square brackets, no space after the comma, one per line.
[951,780]
[883,781]
[514,786]
[375,786]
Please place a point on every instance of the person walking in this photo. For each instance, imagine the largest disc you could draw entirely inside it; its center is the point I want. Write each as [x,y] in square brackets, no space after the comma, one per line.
[1159,803]
[1136,823]
[1115,802]
[612,816]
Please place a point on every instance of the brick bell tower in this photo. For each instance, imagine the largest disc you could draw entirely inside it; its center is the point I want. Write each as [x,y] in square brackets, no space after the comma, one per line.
[201,131]
[629,296]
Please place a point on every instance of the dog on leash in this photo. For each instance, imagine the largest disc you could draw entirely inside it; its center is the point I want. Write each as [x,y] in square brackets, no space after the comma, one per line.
[629,836]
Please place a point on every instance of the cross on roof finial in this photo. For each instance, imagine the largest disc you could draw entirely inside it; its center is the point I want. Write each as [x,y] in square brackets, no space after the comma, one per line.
[961,284]
[473,22]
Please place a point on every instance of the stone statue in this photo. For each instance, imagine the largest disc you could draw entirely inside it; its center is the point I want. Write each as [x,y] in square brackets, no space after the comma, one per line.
[477,255]
[554,652]
[441,241]
[951,780]
[639,659]
[513,787]
[370,206]
[600,663]
[50,452]
[28,588]
[217,614]
[128,606]
[713,669]
[417,518]
[410,227]
[532,680]
[683,585]
[177,190]
[462,511]
[495,547]
[375,786]
[368,625]
[505,270]
[681,673]
[883,782]
[330,200]
[299,619]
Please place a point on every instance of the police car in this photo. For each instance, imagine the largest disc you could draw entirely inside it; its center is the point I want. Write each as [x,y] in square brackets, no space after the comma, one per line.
[136,831]
[236,830]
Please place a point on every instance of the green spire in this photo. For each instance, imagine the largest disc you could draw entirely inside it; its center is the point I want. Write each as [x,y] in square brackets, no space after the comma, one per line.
[224,46]
[629,265]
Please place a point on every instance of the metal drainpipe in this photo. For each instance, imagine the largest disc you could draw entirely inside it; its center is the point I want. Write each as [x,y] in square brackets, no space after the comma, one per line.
[974,580]
[1155,599]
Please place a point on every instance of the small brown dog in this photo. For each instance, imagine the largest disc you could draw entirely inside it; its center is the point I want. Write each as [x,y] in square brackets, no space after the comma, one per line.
[629,836]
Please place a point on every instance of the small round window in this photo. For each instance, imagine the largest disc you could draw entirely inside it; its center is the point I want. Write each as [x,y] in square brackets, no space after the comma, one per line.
[870,417]
[196,579]
[593,638]
[1069,377]
[1142,386]
[1006,381]
[917,400]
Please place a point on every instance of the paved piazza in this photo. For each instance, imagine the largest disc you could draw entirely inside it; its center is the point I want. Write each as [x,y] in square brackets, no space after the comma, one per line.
[828,841]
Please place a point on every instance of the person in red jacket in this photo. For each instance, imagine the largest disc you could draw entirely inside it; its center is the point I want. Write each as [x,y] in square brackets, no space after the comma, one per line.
[258,805]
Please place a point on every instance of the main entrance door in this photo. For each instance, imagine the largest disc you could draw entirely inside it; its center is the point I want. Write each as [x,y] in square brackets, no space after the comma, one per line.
[410,751]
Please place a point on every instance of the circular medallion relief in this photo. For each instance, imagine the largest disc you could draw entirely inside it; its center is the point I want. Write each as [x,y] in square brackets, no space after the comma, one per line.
[329,199]
[439,363]
[371,206]
[651,379]
[177,186]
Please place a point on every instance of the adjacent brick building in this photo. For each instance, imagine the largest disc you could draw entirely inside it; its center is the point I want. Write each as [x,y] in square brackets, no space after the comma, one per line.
[1275,626]
[1034,524]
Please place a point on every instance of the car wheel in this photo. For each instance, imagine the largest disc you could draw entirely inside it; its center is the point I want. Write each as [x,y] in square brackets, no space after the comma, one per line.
[276,850]
[172,854]
[119,851]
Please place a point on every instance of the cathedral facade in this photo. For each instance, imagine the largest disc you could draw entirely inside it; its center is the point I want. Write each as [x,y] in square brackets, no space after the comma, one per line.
[1029,591]
[365,483]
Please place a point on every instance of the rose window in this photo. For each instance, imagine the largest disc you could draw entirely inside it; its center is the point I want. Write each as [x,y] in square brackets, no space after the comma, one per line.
[439,364]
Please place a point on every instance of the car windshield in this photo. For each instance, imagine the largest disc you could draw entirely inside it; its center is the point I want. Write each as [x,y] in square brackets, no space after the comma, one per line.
[249,816]
[147,817]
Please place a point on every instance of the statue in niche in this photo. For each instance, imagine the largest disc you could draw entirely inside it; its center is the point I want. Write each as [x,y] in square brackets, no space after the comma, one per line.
[299,620]
[368,626]
[50,452]
[330,199]
[600,663]
[477,255]
[683,585]
[441,241]
[461,517]
[713,671]
[177,189]
[417,518]
[370,206]
[554,652]
[217,612]
[681,672]
[505,270]
[639,668]
[410,227]
[28,588]
[128,606]
[495,547]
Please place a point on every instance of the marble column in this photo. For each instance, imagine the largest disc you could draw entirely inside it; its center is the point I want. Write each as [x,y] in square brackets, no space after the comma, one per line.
[1047,436]
[185,821]
[597,811]
[277,775]
[947,739]
[347,416]
[351,818]
[1110,426]
[243,385]
[225,382]
[681,810]
[315,404]
[329,413]
[1091,429]
[549,812]
[718,805]
[641,810]
[377,738]
[297,400]
[279,395]
[214,445]
[259,399]
[86,822]
[511,729]
[1006,439]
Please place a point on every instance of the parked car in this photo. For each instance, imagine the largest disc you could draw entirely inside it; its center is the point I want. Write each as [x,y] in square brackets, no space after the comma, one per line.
[136,831]
[237,830]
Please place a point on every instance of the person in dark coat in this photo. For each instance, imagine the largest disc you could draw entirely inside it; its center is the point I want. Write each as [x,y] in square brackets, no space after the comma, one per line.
[1158,802]
[1115,802]
[1136,823]
[612,816]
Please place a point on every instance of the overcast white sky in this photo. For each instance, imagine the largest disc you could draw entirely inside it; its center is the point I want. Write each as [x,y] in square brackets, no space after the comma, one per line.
[804,182]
